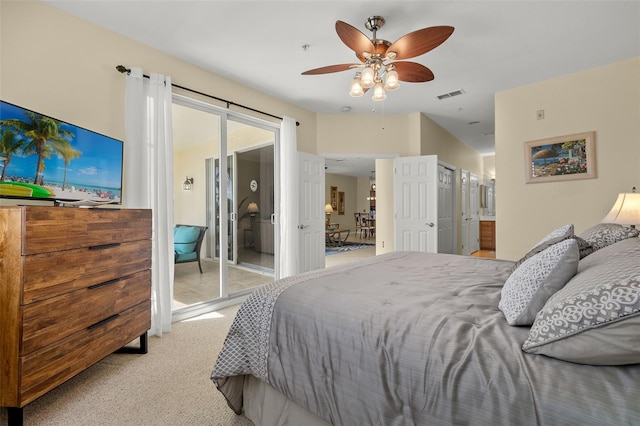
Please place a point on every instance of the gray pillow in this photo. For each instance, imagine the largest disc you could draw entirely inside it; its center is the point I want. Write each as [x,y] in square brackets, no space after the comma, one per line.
[605,234]
[583,246]
[530,286]
[561,233]
[552,238]
[595,317]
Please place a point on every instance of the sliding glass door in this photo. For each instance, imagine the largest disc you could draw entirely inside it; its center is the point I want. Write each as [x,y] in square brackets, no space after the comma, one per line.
[231,161]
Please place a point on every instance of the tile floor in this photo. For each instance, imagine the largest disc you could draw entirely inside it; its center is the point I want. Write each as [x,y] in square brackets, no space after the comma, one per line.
[190,286]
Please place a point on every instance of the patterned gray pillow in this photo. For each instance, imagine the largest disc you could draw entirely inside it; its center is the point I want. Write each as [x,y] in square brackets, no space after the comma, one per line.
[604,234]
[602,325]
[595,317]
[530,286]
[559,234]
[583,246]
[554,237]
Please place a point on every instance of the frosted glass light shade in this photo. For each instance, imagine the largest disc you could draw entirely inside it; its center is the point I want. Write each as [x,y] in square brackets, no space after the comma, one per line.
[367,78]
[356,87]
[378,92]
[391,82]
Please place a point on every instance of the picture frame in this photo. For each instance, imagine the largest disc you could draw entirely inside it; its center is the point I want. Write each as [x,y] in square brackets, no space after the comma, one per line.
[340,203]
[333,196]
[561,158]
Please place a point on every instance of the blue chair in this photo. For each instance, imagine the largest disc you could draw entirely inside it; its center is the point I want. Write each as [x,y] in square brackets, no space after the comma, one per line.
[187,240]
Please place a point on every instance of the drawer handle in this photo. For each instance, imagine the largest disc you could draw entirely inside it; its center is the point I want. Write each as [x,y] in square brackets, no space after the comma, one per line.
[91,287]
[104,246]
[104,321]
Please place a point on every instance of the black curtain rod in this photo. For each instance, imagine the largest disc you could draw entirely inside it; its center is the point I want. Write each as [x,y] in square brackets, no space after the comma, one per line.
[123,69]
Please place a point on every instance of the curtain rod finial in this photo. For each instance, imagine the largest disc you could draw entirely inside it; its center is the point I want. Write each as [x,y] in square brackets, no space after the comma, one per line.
[123,69]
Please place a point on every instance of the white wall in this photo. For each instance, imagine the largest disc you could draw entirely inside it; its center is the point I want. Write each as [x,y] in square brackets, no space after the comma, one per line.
[605,100]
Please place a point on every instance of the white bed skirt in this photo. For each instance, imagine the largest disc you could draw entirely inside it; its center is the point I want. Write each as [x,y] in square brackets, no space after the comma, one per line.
[264,405]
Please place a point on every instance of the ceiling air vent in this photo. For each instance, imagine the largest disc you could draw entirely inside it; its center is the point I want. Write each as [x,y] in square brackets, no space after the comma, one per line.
[451,94]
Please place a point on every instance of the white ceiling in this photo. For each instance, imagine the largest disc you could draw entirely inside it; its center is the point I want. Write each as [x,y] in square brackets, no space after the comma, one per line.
[496,45]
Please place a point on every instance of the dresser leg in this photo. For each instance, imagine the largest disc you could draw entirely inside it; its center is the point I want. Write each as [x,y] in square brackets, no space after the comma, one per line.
[142,349]
[14,416]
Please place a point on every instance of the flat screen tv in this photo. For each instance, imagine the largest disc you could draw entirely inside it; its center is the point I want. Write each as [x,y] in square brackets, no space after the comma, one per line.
[45,158]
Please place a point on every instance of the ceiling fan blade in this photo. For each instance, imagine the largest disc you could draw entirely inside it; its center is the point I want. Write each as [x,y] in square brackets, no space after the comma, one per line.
[331,68]
[354,38]
[413,72]
[419,42]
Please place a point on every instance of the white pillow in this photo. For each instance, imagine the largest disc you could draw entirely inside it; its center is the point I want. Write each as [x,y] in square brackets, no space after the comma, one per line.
[529,287]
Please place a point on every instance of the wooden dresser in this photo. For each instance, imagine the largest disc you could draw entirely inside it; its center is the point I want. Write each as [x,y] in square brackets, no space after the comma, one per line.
[487,235]
[75,286]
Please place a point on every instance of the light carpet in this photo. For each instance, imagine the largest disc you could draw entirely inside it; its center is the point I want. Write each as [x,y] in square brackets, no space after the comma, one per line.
[168,386]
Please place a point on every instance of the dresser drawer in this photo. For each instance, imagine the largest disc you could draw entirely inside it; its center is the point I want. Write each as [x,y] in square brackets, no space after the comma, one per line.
[50,274]
[53,229]
[43,370]
[50,320]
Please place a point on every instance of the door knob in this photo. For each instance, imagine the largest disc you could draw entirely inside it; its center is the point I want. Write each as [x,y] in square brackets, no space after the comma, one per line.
[430,224]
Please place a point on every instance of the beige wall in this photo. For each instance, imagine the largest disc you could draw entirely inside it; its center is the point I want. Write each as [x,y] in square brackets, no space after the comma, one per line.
[67,70]
[385,231]
[364,187]
[605,100]
[488,167]
[434,140]
[366,134]
[348,185]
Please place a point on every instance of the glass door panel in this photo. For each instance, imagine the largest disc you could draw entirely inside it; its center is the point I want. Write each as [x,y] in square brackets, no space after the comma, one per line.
[196,136]
[254,183]
[238,205]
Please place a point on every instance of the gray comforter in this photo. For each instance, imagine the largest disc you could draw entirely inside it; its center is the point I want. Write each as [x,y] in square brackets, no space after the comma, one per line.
[412,338]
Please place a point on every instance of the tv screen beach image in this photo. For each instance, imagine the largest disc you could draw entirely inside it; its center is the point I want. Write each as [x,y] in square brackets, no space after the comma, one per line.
[45,158]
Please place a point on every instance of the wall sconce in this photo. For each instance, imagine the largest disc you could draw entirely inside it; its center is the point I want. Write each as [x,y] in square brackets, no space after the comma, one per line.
[626,210]
[188,184]
[253,209]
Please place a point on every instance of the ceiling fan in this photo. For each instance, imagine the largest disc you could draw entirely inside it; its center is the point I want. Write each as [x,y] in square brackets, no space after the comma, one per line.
[377,57]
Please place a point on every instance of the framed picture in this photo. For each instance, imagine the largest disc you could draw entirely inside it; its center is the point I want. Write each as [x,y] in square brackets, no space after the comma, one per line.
[561,158]
[334,197]
[340,202]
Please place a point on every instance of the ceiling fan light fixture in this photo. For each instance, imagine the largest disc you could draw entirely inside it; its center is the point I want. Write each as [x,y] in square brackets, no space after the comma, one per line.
[378,92]
[392,81]
[367,78]
[374,55]
[356,87]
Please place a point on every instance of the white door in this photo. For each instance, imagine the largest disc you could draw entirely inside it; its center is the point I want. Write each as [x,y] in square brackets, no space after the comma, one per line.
[311,227]
[445,210]
[416,203]
[464,231]
[474,213]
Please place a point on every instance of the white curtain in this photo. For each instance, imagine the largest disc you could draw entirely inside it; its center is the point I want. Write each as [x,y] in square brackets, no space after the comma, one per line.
[148,179]
[289,203]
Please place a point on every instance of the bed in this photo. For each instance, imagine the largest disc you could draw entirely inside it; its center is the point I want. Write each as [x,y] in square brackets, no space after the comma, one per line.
[419,338]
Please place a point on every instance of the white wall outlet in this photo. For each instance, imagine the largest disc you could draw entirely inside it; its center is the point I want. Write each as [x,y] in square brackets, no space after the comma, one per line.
[540,114]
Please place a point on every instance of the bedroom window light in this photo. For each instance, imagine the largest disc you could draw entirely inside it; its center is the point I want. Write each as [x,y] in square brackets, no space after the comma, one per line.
[626,210]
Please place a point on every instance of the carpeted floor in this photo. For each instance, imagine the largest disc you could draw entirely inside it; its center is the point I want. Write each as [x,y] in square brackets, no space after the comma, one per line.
[168,386]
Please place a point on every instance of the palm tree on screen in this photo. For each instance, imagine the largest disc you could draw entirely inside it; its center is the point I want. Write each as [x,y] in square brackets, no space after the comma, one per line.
[42,136]
[9,144]
[67,153]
